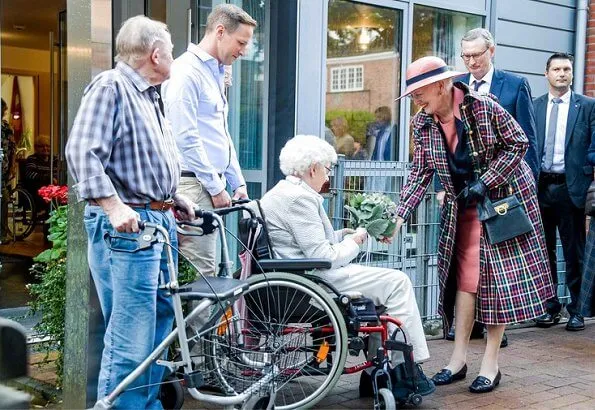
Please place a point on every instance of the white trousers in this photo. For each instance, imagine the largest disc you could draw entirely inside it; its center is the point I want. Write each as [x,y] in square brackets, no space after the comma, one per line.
[390,288]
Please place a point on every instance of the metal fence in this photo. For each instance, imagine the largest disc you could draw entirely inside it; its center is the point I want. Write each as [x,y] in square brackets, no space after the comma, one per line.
[414,250]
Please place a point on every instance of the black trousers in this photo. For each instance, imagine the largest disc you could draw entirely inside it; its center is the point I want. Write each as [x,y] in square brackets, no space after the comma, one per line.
[558,212]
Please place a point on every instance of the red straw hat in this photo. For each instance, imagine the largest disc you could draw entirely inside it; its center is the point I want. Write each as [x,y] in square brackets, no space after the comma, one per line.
[424,71]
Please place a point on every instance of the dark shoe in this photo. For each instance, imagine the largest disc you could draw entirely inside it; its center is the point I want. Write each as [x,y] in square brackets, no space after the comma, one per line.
[477,332]
[365,385]
[424,386]
[483,384]
[445,376]
[451,334]
[548,319]
[575,323]
[504,341]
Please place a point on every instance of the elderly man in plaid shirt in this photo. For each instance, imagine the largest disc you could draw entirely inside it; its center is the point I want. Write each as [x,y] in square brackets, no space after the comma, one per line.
[124,160]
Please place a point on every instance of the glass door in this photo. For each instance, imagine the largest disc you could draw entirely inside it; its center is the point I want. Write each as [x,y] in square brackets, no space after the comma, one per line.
[364,65]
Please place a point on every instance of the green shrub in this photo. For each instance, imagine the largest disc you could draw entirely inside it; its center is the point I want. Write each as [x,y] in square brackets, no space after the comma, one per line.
[357,120]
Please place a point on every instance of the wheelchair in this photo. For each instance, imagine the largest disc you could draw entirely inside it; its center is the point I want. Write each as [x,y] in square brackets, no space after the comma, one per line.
[278,338]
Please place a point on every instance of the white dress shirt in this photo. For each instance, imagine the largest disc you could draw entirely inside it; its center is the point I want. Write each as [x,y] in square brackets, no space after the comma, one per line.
[196,106]
[560,137]
[487,79]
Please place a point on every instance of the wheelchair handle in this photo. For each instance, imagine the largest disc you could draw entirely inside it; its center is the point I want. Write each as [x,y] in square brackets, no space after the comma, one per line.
[200,213]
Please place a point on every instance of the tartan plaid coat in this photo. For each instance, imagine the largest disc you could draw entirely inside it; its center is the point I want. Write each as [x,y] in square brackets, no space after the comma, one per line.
[514,280]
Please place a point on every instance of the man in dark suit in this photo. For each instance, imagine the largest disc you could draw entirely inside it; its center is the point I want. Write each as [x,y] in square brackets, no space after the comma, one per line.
[514,95]
[513,91]
[565,127]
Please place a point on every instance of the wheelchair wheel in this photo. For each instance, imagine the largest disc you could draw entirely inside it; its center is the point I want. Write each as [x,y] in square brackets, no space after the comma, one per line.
[386,400]
[290,338]
[171,393]
[20,214]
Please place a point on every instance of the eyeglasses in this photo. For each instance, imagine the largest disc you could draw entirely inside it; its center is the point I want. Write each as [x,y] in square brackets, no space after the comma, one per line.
[328,170]
[475,56]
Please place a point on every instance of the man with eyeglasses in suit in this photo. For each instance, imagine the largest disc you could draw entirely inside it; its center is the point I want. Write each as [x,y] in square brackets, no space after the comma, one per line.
[514,95]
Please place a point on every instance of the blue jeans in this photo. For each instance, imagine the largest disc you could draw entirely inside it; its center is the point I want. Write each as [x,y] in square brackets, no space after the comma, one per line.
[137,314]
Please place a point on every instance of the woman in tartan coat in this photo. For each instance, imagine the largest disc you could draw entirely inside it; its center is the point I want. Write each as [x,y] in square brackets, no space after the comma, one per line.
[476,148]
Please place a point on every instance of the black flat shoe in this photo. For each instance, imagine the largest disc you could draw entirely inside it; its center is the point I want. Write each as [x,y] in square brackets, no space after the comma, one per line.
[504,342]
[483,384]
[548,319]
[575,323]
[445,376]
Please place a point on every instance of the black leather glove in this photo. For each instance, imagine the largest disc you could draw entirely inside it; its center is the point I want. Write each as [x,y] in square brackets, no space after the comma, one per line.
[475,191]
[590,202]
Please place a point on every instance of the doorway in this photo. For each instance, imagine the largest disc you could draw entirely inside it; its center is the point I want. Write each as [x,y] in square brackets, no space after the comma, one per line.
[33,133]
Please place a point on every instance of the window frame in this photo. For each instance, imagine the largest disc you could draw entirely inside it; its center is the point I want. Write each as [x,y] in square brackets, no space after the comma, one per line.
[346,68]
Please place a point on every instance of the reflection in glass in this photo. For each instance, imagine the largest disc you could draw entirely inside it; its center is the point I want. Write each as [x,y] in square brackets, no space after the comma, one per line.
[363,77]
[438,32]
[248,77]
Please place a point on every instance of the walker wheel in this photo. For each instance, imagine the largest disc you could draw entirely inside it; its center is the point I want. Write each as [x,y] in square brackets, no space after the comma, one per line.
[386,400]
[416,399]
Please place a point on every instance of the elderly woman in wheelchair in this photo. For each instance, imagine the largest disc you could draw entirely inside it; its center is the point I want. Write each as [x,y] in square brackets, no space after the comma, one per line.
[298,228]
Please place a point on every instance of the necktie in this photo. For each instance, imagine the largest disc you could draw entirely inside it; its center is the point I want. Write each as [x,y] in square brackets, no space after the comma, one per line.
[477,84]
[550,142]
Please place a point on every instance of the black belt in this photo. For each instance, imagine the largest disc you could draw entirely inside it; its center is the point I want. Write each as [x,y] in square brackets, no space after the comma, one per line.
[190,174]
[552,178]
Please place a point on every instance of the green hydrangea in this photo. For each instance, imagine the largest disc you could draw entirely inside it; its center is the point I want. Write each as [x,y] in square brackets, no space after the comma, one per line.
[376,212]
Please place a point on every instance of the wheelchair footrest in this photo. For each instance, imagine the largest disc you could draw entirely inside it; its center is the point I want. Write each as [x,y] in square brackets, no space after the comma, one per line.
[194,380]
[398,346]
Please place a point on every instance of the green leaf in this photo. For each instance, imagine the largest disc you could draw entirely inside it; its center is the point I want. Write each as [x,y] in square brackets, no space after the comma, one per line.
[43,257]
[377,227]
[376,213]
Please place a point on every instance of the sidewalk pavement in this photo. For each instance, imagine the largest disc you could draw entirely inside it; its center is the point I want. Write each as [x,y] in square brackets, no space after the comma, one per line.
[541,369]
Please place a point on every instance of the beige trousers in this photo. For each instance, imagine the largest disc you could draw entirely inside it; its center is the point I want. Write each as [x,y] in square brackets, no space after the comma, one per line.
[200,250]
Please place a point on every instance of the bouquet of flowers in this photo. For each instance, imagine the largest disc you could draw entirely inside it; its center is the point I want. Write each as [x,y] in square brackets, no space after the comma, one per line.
[375,212]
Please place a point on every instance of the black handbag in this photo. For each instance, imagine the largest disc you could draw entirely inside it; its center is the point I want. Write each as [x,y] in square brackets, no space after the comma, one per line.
[503,219]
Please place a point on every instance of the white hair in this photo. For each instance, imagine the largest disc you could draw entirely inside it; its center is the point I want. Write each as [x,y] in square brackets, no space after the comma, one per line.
[303,151]
[137,38]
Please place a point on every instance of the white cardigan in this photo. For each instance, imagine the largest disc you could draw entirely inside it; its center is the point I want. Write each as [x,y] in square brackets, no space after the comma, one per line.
[299,227]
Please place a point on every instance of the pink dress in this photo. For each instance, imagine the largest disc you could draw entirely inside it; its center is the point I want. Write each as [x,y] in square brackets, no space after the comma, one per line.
[468,225]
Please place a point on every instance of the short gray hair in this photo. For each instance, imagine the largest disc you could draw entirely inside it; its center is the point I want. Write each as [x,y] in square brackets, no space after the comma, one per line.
[482,33]
[138,36]
[303,151]
[230,17]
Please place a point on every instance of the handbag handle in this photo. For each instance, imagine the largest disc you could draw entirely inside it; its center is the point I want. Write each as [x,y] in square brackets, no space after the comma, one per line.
[475,161]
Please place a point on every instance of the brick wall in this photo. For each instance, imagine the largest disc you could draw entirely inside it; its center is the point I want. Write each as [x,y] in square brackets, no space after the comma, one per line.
[590,60]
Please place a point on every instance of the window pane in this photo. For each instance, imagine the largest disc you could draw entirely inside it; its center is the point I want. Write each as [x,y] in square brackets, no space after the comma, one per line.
[246,120]
[363,77]
[438,32]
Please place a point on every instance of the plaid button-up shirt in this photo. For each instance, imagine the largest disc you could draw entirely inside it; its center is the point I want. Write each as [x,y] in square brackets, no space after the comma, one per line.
[120,143]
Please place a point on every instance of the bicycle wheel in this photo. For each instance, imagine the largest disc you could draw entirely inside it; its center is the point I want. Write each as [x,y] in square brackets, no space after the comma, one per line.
[287,328]
[20,214]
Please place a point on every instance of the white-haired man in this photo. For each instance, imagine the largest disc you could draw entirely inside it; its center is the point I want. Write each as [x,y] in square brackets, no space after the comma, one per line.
[124,161]
[196,105]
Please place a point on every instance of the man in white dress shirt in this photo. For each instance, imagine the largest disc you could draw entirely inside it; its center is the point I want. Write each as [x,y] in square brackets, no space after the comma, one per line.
[196,106]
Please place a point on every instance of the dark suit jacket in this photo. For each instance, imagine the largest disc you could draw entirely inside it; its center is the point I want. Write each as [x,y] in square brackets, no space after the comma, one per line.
[579,134]
[514,94]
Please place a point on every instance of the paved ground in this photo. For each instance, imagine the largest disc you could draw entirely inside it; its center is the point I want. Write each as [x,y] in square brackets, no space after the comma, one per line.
[541,369]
